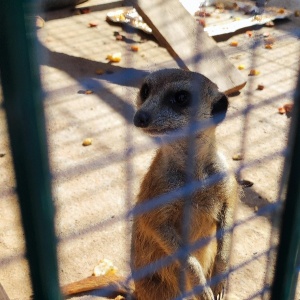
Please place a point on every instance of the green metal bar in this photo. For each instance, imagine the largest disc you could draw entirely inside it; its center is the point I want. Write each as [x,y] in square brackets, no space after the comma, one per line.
[286,272]
[26,124]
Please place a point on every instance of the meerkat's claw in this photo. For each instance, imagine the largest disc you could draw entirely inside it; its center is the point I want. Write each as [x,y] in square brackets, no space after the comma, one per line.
[221,294]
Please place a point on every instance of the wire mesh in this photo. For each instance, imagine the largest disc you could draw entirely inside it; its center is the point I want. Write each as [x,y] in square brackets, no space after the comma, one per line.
[95,187]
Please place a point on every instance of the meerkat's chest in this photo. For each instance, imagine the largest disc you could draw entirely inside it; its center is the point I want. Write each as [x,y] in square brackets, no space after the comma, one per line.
[201,217]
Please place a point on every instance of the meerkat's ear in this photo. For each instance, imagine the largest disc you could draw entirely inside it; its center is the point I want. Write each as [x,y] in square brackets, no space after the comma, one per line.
[219,108]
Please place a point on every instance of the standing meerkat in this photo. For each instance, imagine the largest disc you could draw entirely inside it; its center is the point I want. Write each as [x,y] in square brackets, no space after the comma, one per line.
[167,102]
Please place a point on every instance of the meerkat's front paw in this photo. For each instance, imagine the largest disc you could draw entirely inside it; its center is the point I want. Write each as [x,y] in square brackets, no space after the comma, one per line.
[219,290]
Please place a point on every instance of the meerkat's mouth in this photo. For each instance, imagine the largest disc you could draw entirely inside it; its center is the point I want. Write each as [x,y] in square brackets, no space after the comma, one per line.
[158,132]
[155,132]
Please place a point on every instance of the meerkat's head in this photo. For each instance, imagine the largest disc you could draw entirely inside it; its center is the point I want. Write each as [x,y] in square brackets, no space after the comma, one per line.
[169,98]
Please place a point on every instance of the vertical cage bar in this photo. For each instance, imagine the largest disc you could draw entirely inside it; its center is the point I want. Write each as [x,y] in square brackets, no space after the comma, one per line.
[284,283]
[26,124]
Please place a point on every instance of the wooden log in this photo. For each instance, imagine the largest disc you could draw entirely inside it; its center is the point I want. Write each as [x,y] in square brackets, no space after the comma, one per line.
[188,43]
[112,285]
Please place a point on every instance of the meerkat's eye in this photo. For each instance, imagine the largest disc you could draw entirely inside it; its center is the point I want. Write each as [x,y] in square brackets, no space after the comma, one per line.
[182,98]
[145,91]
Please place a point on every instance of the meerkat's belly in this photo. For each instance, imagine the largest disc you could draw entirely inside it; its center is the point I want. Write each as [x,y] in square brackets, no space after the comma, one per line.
[203,229]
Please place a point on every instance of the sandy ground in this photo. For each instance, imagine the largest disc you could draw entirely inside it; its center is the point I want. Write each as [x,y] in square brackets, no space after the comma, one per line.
[94,187]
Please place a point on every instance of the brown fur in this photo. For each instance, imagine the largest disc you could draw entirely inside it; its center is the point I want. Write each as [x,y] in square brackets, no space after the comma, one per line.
[157,233]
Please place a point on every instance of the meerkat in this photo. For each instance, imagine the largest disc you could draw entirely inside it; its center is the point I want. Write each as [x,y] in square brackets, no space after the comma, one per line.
[167,102]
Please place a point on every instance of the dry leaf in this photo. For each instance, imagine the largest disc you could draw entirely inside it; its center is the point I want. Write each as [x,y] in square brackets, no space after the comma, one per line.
[202,13]
[238,156]
[85,10]
[254,72]
[202,22]
[100,71]
[115,57]
[87,142]
[288,107]
[234,43]
[270,24]
[135,48]
[93,24]
[249,33]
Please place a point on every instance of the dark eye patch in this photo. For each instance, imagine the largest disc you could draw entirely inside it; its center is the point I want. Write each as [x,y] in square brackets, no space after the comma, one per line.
[144,91]
[181,99]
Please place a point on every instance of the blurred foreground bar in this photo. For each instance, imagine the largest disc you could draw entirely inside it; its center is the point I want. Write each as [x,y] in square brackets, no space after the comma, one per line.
[26,124]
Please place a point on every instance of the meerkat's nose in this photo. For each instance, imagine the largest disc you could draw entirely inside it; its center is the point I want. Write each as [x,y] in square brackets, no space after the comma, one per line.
[141,119]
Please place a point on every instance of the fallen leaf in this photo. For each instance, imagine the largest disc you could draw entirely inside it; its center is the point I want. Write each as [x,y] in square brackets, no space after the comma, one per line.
[202,13]
[238,156]
[100,71]
[135,48]
[288,107]
[270,24]
[87,142]
[93,24]
[202,22]
[254,72]
[115,57]
[85,10]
